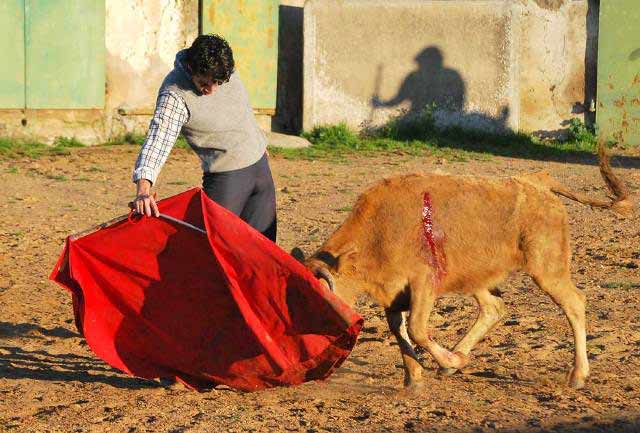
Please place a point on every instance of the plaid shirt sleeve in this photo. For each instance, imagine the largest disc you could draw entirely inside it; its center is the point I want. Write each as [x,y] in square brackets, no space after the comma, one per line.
[170,115]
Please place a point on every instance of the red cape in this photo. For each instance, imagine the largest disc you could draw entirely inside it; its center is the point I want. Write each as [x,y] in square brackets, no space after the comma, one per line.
[154,298]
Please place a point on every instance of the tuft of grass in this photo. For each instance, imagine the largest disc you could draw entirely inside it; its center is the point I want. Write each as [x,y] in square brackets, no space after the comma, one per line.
[127,138]
[406,126]
[58,177]
[581,135]
[334,137]
[65,142]
[181,143]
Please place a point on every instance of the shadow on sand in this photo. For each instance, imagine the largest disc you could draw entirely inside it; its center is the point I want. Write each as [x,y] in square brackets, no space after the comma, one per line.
[17,363]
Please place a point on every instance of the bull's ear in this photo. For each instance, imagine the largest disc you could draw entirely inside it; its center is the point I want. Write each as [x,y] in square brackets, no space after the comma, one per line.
[298,254]
[347,258]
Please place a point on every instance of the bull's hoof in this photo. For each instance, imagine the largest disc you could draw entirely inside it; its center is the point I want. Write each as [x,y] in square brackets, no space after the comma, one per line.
[447,371]
[457,360]
[577,379]
[413,380]
[412,389]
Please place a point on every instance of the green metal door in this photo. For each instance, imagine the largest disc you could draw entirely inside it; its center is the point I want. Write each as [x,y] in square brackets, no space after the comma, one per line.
[618,108]
[53,54]
[251,27]
[12,49]
[65,53]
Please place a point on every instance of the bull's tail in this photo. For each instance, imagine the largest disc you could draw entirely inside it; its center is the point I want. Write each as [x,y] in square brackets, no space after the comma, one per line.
[621,202]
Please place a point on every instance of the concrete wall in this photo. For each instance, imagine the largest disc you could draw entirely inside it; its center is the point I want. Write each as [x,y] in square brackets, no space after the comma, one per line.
[486,64]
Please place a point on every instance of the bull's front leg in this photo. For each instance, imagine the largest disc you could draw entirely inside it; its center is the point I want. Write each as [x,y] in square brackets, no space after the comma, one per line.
[412,367]
[492,309]
[422,300]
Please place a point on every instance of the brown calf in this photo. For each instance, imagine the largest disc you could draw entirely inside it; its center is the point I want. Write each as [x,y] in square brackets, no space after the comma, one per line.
[413,238]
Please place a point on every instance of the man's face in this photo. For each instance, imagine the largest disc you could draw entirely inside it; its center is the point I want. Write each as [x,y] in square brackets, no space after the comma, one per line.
[206,85]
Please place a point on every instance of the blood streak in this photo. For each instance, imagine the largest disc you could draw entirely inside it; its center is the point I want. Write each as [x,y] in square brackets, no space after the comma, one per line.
[435,243]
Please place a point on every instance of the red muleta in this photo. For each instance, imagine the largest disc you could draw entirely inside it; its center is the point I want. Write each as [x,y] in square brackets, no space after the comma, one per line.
[155,298]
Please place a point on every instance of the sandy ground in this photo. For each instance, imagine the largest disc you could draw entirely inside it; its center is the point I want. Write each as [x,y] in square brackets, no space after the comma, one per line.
[50,380]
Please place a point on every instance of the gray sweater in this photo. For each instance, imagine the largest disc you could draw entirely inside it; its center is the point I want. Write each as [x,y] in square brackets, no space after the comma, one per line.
[221,127]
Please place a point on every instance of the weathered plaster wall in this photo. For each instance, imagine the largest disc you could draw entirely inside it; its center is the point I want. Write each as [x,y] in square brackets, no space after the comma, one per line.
[487,64]
[552,50]
[142,38]
[495,64]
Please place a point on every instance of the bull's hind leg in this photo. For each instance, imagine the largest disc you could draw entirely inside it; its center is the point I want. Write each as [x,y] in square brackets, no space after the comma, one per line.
[491,311]
[572,301]
[422,299]
[412,367]
[547,259]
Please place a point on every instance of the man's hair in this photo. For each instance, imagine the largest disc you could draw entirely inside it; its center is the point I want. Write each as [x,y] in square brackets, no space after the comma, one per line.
[211,55]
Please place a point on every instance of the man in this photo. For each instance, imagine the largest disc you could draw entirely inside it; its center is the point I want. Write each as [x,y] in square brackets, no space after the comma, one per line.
[204,98]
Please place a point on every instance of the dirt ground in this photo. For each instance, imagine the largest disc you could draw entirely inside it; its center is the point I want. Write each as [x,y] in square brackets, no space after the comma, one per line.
[50,380]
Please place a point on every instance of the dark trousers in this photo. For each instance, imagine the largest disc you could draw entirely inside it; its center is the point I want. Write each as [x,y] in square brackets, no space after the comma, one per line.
[249,193]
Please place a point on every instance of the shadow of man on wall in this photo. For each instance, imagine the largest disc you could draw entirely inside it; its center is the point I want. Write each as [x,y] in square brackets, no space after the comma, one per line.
[436,96]
[431,83]
[441,90]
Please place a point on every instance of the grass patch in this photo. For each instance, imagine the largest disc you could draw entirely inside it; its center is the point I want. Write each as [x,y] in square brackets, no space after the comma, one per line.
[138,140]
[14,149]
[418,135]
[19,148]
[411,135]
[128,138]
[620,285]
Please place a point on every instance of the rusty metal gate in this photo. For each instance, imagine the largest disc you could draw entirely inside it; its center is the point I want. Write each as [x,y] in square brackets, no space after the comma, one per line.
[618,108]
[251,27]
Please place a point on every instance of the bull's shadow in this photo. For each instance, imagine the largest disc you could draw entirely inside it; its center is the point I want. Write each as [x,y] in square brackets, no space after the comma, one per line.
[588,424]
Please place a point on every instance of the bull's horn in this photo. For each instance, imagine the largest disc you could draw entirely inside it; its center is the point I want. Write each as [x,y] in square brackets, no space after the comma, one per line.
[322,273]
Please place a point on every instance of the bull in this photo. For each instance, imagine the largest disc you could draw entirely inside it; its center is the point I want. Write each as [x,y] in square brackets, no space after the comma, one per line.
[410,239]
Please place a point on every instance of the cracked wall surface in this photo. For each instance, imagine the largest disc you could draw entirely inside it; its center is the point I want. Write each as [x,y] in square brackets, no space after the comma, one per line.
[553,47]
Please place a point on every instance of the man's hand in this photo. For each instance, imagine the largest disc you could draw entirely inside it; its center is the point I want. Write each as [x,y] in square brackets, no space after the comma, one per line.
[145,203]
